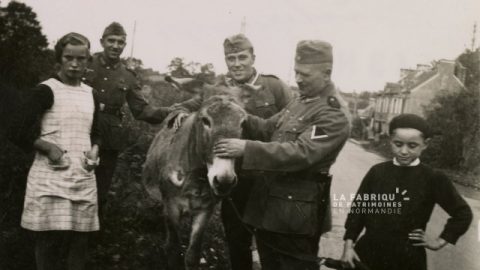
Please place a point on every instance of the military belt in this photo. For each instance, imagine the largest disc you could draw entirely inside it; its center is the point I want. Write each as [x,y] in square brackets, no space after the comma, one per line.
[112,110]
[317,176]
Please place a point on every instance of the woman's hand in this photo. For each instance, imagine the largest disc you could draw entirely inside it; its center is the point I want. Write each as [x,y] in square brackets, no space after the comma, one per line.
[53,152]
[419,239]
[91,159]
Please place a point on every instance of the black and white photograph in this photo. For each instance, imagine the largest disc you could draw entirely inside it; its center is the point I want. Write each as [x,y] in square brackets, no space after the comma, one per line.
[239,135]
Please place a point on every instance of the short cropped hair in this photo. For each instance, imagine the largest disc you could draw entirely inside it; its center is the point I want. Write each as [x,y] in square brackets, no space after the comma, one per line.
[409,120]
[73,39]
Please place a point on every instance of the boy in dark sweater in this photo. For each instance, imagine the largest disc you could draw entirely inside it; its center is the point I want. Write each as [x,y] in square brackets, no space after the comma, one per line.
[394,203]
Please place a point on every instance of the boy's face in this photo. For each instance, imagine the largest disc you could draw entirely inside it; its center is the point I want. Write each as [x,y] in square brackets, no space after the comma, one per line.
[407,145]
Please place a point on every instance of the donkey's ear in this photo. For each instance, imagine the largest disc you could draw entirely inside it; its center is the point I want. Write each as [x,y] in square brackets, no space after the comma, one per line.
[185,84]
[241,94]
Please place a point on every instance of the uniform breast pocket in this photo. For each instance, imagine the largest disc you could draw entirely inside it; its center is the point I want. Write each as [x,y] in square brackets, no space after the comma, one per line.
[292,210]
[293,130]
[265,107]
[122,86]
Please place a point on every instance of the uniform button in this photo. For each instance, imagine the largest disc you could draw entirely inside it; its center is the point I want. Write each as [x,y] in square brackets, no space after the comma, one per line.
[266,103]
[294,129]
[289,197]
[103,90]
[108,67]
[287,111]
[105,78]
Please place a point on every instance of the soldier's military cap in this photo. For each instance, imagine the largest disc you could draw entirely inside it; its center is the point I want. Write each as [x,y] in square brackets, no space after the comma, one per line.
[409,120]
[313,52]
[114,29]
[236,43]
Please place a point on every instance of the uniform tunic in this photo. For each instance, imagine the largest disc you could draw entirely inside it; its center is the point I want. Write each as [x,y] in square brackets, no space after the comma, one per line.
[416,190]
[63,199]
[115,84]
[303,139]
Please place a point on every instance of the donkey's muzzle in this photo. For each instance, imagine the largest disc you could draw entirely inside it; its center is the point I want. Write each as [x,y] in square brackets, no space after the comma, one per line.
[224,185]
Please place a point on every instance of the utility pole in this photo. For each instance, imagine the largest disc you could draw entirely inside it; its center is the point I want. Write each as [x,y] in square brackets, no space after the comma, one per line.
[133,38]
[243,26]
[473,36]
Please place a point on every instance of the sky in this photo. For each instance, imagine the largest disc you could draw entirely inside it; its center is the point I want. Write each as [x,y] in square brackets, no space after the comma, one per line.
[372,39]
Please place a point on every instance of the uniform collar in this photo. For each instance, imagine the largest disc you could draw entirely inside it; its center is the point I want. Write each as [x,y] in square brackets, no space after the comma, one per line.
[414,163]
[105,63]
[251,83]
[329,90]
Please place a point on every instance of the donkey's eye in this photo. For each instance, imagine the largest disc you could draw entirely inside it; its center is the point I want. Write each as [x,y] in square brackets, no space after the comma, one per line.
[206,121]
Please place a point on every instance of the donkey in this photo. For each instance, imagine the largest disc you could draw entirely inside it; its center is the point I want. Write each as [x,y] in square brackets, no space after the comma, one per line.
[182,172]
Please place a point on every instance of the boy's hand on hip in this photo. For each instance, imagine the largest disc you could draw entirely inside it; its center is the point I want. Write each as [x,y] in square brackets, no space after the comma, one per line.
[349,256]
[420,239]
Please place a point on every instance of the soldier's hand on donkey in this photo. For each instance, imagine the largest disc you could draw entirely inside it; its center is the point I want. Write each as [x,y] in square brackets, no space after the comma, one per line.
[179,119]
[229,148]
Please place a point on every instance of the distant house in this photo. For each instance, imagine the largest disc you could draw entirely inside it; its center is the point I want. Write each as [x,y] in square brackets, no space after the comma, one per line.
[415,90]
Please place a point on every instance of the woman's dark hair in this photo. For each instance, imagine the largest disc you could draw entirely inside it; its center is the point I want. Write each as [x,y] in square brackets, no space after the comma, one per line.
[70,38]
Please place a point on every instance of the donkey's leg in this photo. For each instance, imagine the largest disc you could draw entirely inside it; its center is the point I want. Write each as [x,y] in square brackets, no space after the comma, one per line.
[173,247]
[199,223]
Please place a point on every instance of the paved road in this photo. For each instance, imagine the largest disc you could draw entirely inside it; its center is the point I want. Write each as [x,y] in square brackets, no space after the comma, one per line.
[351,166]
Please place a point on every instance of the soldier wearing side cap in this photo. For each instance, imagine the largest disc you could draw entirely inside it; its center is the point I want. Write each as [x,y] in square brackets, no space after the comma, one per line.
[268,96]
[114,84]
[289,206]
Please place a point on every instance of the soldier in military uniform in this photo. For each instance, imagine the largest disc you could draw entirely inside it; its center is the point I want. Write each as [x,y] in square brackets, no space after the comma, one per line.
[268,95]
[114,84]
[289,207]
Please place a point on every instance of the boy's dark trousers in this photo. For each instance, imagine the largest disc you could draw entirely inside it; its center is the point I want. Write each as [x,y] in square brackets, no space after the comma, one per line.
[239,239]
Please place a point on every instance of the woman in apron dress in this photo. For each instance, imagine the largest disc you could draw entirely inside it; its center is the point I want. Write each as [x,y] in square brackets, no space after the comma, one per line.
[61,197]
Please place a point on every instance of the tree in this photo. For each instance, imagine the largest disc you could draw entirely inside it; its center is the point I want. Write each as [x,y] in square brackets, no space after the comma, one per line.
[24,61]
[456,119]
[178,69]
[25,57]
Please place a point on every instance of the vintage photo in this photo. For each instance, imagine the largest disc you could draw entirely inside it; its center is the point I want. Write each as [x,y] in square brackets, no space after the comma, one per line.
[239,135]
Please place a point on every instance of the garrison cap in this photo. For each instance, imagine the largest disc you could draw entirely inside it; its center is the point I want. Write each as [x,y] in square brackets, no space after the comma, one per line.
[409,120]
[236,43]
[114,29]
[313,52]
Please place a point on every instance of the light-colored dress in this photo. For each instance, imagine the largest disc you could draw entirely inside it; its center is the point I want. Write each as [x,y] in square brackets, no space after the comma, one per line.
[64,199]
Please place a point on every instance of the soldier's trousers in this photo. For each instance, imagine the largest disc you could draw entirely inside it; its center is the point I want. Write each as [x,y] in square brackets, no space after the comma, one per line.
[274,247]
[239,239]
[104,174]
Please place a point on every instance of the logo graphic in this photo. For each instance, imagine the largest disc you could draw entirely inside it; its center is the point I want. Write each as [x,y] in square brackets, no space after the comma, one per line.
[371,203]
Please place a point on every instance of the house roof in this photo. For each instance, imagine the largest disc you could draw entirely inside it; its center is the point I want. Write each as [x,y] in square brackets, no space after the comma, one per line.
[416,78]
[410,80]
[392,88]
